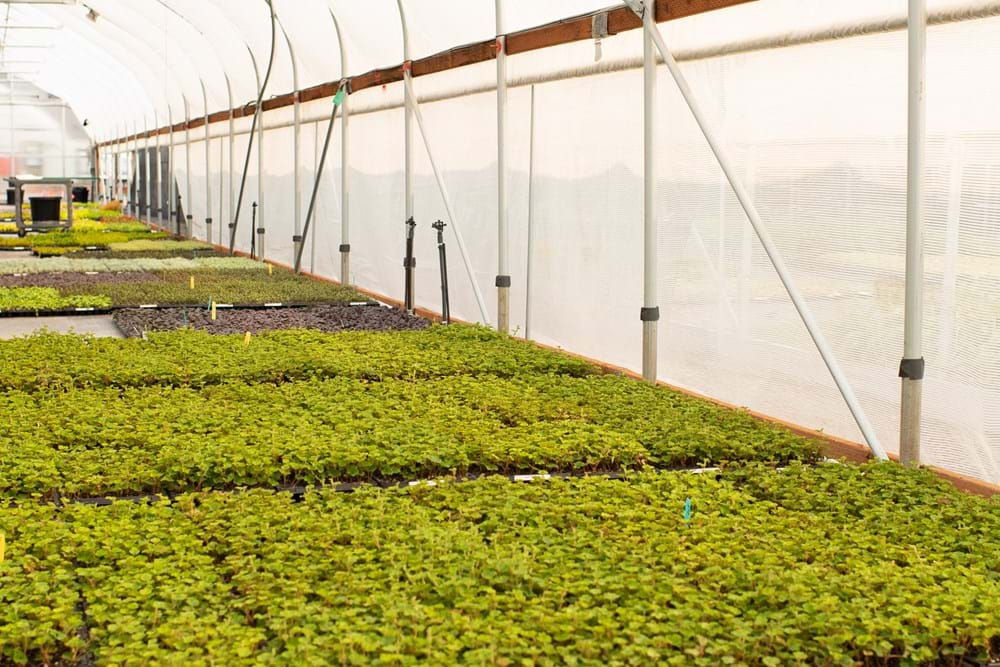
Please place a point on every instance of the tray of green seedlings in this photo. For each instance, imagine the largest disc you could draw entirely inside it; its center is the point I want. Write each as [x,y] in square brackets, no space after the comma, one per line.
[835,565]
[31,301]
[162,249]
[55,362]
[153,439]
[325,317]
[214,282]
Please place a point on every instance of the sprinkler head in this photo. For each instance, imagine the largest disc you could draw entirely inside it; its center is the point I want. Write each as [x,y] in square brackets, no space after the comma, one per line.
[439,225]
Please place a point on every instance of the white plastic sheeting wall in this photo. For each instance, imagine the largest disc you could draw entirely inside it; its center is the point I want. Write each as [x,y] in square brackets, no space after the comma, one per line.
[819,133]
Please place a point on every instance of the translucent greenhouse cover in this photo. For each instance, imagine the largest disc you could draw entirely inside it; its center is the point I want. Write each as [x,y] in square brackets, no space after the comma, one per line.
[808,95]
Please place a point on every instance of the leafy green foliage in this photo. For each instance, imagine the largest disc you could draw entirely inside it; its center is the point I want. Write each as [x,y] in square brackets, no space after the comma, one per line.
[49,361]
[35,299]
[215,281]
[491,572]
[144,245]
[87,264]
[78,238]
[151,440]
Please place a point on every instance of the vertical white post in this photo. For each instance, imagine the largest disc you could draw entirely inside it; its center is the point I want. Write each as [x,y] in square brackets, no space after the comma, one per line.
[188,216]
[296,148]
[171,194]
[503,270]
[345,145]
[134,170]
[408,138]
[531,216]
[62,137]
[260,181]
[222,188]
[13,152]
[232,162]
[650,312]
[159,171]
[208,167]
[911,369]
[147,171]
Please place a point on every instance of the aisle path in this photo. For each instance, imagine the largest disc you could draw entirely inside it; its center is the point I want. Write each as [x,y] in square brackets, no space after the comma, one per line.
[98,325]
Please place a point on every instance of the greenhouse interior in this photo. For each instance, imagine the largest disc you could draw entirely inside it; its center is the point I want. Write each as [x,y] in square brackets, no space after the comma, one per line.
[500,332]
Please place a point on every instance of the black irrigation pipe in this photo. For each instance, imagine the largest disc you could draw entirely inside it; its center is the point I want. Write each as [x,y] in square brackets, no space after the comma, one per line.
[170,306]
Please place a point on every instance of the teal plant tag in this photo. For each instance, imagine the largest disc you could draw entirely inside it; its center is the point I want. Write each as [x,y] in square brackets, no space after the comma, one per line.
[687,511]
[339,97]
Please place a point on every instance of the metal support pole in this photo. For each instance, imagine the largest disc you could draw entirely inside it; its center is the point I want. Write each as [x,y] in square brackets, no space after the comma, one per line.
[407,126]
[911,369]
[345,145]
[777,261]
[222,187]
[296,150]
[188,216]
[443,264]
[208,166]
[412,100]
[134,171]
[170,170]
[232,163]
[147,172]
[159,172]
[62,137]
[116,167]
[260,187]
[503,270]
[531,217]
[649,315]
[13,152]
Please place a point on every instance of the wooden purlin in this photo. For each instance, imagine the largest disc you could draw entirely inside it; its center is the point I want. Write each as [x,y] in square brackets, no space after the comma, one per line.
[566,31]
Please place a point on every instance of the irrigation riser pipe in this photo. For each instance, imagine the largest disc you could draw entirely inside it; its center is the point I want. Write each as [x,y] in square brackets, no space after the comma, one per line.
[443,264]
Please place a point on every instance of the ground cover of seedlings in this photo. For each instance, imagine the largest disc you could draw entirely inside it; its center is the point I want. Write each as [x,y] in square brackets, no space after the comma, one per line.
[775,559]
[65,279]
[835,565]
[255,286]
[329,318]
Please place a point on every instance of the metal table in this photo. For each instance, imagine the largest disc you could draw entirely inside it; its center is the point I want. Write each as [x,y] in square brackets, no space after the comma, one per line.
[40,225]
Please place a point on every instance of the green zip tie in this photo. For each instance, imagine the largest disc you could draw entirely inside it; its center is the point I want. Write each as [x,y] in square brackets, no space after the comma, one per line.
[339,97]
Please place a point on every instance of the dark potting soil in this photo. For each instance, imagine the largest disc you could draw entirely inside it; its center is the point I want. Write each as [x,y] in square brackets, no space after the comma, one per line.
[329,318]
[73,279]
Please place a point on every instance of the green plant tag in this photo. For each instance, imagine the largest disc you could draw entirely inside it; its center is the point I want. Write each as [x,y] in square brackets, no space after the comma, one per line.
[687,511]
[339,97]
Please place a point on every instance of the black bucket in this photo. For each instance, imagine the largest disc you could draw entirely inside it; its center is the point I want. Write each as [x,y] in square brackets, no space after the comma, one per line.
[45,209]
[81,195]
[10,196]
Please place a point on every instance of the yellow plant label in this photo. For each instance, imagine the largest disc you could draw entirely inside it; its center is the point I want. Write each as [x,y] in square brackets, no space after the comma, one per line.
[3,546]
[246,339]
[270,269]
[213,311]
[192,282]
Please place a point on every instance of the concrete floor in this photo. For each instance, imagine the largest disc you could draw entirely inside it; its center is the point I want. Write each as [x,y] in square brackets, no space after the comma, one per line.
[99,325]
